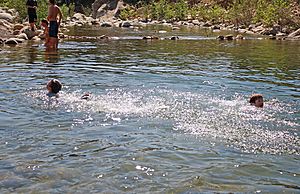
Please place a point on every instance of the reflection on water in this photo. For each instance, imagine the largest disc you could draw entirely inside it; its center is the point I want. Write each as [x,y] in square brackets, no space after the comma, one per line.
[165,116]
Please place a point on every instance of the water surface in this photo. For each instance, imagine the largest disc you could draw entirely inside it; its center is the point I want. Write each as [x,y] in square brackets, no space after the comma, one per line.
[165,116]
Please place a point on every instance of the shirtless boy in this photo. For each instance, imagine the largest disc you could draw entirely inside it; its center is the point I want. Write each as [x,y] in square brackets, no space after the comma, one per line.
[54,18]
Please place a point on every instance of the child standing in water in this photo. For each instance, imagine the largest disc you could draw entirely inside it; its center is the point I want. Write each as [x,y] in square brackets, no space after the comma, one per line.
[257,100]
[53,87]
[31,9]
[44,24]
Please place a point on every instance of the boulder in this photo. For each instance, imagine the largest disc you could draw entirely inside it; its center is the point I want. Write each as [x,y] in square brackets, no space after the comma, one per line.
[229,37]
[7,17]
[239,37]
[18,27]
[79,16]
[125,24]
[22,36]
[16,32]
[196,22]
[106,24]
[220,37]
[294,34]
[30,34]
[11,41]
[174,38]
[5,24]
[207,24]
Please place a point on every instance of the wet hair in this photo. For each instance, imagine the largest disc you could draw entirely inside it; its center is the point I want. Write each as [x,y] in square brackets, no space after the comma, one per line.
[45,21]
[55,86]
[52,2]
[254,97]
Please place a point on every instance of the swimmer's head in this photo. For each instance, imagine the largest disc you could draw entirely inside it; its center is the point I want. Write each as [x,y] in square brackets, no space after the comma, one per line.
[54,86]
[257,100]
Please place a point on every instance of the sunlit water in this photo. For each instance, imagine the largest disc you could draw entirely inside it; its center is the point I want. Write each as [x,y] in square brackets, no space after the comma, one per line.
[164,116]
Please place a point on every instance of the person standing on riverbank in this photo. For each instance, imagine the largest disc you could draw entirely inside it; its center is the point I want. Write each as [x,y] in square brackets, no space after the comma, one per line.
[54,18]
[31,9]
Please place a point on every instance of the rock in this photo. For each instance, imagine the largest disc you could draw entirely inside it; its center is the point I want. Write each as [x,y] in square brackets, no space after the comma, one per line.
[18,27]
[147,38]
[106,24]
[215,27]
[162,31]
[275,30]
[95,22]
[19,40]
[11,41]
[1,41]
[30,34]
[196,22]
[36,39]
[7,17]
[280,34]
[150,38]
[174,38]
[207,24]
[5,24]
[229,37]
[258,29]
[61,35]
[13,12]
[239,37]
[16,32]
[294,34]
[22,36]
[125,24]
[175,28]
[79,16]
[271,37]
[220,37]
[103,37]
[242,31]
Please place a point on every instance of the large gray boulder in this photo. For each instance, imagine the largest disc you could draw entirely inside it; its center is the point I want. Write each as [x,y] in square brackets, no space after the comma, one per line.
[106,9]
[6,16]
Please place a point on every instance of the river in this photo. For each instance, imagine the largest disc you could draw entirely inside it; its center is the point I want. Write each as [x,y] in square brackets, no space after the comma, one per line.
[164,116]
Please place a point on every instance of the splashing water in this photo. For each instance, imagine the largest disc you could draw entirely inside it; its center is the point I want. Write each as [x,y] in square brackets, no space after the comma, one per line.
[213,118]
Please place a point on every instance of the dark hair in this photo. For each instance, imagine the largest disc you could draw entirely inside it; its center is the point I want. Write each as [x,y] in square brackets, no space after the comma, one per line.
[55,86]
[52,2]
[254,97]
[45,21]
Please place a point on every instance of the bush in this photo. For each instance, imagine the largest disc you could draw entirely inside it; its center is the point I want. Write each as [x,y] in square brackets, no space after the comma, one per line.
[20,6]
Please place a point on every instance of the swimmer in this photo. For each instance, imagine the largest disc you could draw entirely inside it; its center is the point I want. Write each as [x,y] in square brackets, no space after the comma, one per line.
[53,87]
[257,100]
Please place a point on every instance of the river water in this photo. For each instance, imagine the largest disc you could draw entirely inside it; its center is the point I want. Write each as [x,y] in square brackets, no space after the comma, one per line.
[164,117]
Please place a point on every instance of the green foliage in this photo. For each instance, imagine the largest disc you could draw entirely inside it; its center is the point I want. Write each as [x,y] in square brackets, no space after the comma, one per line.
[42,10]
[181,10]
[242,12]
[128,13]
[274,12]
[19,5]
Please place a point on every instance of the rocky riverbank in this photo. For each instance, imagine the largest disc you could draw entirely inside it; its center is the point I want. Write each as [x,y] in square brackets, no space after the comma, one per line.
[12,33]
